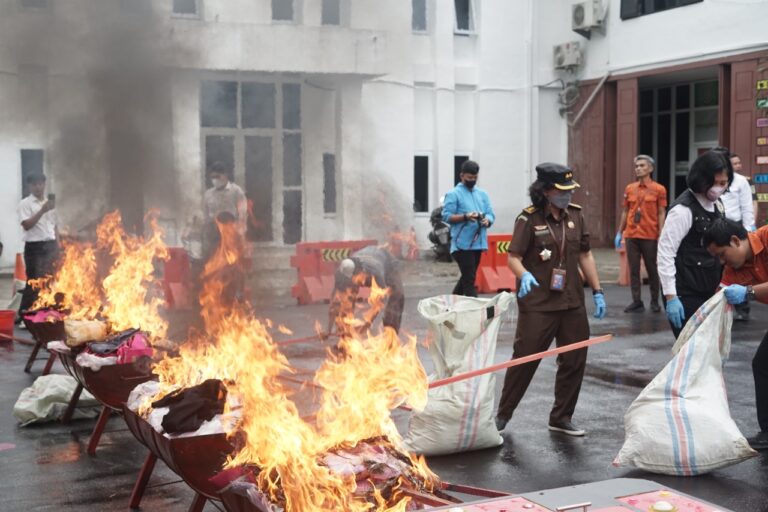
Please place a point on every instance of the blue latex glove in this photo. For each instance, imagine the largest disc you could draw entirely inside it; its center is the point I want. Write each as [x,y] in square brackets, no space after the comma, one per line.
[617,240]
[735,293]
[599,299]
[752,228]
[675,312]
[526,282]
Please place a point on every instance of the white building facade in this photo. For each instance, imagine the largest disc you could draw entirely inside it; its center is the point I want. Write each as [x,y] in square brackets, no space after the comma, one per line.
[342,119]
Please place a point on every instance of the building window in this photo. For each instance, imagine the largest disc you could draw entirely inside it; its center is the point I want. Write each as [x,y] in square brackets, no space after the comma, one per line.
[419,16]
[186,8]
[331,14]
[465,19]
[635,8]
[254,129]
[34,4]
[31,163]
[458,161]
[329,183]
[421,183]
[283,10]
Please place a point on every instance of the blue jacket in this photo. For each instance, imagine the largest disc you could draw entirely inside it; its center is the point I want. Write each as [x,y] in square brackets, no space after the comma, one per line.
[469,235]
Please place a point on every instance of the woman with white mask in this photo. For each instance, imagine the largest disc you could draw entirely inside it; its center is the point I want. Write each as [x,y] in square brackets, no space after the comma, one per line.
[689,275]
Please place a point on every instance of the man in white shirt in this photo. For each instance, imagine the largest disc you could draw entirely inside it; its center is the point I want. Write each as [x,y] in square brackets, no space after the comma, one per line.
[224,197]
[689,274]
[737,201]
[38,220]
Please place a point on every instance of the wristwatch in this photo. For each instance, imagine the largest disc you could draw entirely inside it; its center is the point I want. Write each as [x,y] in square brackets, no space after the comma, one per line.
[750,293]
[598,290]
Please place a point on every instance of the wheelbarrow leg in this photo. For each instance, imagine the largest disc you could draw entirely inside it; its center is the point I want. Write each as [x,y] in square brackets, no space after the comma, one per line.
[198,504]
[72,404]
[98,429]
[32,356]
[49,363]
[142,480]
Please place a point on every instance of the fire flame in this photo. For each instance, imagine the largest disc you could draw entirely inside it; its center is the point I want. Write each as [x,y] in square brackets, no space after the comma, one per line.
[74,286]
[131,275]
[357,391]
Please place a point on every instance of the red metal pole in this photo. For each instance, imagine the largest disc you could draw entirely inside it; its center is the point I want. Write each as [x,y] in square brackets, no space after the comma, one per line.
[98,429]
[49,363]
[142,480]
[521,360]
[23,341]
[198,504]
[72,404]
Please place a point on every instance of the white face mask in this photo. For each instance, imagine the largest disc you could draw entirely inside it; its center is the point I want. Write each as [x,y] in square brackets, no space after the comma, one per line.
[219,183]
[714,193]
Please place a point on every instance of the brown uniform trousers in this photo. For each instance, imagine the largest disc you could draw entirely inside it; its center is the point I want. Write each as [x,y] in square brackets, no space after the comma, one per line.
[546,315]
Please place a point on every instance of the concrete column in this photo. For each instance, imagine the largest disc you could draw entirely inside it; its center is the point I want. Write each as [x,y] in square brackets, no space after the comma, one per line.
[349,161]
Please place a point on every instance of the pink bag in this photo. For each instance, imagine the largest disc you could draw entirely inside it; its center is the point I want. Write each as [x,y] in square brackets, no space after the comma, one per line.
[134,348]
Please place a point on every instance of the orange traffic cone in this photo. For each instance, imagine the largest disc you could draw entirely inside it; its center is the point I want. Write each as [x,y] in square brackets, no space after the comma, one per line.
[19,274]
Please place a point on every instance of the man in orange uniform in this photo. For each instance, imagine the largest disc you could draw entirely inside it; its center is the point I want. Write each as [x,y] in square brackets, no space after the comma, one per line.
[745,257]
[641,221]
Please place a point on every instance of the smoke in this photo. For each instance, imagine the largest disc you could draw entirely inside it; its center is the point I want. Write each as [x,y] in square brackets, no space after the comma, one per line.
[109,118]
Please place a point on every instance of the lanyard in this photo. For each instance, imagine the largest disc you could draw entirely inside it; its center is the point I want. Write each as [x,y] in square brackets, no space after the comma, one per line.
[562,240]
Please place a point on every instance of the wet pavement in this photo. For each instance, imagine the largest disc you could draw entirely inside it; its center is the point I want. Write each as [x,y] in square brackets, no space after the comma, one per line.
[46,467]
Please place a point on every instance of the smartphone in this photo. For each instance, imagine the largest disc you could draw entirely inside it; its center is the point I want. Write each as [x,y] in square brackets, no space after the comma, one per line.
[52,199]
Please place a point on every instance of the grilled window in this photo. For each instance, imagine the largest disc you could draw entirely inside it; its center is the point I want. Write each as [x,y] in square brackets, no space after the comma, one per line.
[465,22]
[186,7]
[331,14]
[419,16]
[283,10]
[421,183]
[635,8]
[329,183]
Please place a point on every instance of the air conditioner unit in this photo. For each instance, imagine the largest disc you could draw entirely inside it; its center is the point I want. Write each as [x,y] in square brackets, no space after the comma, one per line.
[586,16]
[568,55]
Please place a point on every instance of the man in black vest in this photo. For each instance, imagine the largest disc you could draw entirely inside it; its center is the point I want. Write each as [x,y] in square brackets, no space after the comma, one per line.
[689,274]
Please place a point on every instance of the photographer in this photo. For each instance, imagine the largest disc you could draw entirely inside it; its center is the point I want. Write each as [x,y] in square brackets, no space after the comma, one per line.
[468,210]
[38,219]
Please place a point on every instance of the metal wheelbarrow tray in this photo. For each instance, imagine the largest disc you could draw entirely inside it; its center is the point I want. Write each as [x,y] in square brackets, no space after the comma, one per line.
[111,386]
[43,332]
[195,459]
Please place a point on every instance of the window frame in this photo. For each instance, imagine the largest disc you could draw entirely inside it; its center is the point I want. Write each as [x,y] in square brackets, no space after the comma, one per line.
[297,9]
[425,31]
[23,7]
[198,12]
[630,16]
[342,9]
[472,30]
[428,156]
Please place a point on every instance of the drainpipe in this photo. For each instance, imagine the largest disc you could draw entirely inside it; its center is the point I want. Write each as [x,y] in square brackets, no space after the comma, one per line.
[529,110]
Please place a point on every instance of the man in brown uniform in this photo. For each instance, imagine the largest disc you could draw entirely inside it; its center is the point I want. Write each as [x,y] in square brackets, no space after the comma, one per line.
[549,245]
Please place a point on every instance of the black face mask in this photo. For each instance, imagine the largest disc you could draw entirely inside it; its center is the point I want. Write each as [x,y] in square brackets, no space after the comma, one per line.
[470,184]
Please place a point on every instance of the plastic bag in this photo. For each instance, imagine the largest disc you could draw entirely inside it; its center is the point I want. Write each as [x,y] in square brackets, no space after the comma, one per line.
[460,416]
[80,332]
[680,423]
[47,399]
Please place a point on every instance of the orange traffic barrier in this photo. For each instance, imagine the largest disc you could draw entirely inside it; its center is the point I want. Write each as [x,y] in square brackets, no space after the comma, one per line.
[20,272]
[177,279]
[316,263]
[493,274]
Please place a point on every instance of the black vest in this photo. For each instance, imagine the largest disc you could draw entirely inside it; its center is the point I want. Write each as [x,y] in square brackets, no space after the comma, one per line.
[697,272]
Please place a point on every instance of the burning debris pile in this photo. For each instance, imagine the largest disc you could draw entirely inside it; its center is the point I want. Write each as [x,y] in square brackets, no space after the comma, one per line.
[110,320]
[338,451]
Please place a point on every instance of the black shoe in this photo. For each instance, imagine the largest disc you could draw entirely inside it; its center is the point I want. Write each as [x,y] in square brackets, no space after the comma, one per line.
[501,424]
[759,442]
[635,307]
[566,427]
[655,307]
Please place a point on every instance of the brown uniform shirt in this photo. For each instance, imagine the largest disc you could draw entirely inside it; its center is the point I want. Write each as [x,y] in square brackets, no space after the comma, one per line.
[536,230]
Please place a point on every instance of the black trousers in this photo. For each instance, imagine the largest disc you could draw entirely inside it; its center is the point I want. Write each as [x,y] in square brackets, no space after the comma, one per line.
[39,258]
[760,372]
[535,332]
[468,262]
[637,247]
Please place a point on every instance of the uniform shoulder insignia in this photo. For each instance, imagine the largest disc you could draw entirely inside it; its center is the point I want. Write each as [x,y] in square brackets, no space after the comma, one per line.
[574,205]
[530,209]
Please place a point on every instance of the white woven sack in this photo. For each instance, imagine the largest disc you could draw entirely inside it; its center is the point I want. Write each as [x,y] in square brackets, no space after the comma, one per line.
[47,399]
[680,423]
[460,416]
